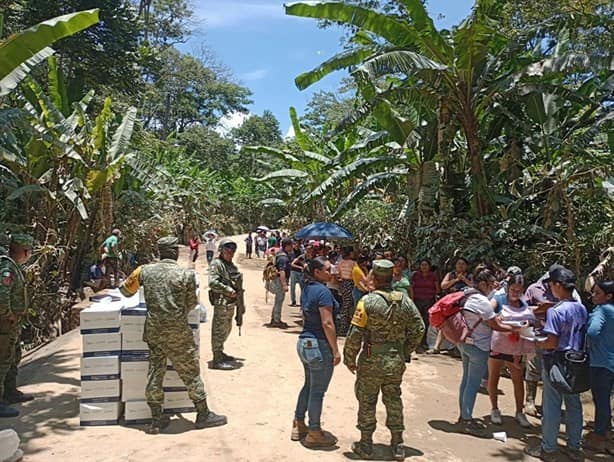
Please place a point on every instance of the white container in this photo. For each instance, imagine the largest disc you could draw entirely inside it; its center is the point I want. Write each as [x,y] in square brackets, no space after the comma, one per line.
[109,344]
[98,391]
[9,443]
[99,413]
[134,380]
[100,318]
[132,323]
[500,436]
[100,368]
[137,412]
[132,340]
[178,401]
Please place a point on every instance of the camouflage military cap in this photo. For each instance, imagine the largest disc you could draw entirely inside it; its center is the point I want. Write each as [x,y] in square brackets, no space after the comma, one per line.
[22,239]
[229,243]
[382,267]
[168,242]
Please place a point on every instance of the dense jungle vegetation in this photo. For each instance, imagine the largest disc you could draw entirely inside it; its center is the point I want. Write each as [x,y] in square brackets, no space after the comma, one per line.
[491,140]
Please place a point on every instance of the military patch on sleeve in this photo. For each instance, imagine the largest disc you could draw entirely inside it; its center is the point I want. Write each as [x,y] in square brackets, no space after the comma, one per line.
[360,315]
[132,284]
[7,278]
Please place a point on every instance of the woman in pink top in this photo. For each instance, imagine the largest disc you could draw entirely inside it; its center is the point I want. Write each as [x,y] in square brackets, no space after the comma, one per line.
[508,348]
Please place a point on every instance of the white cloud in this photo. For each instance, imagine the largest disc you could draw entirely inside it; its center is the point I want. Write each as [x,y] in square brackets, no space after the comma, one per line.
[230,13]
[256,74]
[230,121]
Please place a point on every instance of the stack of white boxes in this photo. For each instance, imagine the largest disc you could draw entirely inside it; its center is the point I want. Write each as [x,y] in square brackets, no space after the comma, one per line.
[100,372]
[113,349]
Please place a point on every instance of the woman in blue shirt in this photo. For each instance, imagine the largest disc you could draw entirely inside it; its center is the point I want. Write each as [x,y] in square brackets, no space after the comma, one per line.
[318,351]
[600,335]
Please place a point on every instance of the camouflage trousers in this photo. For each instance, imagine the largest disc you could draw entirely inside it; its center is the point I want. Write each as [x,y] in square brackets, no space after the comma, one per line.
[221,326]
[177,345]
[10,355]
[367,390]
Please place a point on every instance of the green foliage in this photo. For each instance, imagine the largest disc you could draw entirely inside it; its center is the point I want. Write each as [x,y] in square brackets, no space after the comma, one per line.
[25,49]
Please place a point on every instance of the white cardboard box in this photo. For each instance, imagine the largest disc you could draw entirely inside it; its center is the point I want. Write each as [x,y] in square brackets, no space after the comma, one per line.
[99,413]
[178,401]
[137,412]
[100,368]
[93,391]
[132,340]
[172,381]
[134,380]
[100,317]
[109,344]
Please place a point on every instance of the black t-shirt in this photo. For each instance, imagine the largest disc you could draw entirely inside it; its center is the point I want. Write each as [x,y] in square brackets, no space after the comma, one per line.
[293,256]
[283,263]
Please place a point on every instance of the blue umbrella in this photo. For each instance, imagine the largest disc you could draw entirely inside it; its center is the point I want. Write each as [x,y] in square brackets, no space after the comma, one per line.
[323,230]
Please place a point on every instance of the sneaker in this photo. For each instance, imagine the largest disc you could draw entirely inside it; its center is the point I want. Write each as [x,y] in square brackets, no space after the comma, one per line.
[522,420]
[17,396]
[576,455]
[433,351]
[594,442]
[6,411]
[472,427]
[530,409]
[211,419]
[495,417]
[539,453]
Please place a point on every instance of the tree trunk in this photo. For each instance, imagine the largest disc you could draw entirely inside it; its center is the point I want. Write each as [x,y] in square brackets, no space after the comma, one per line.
[481,202]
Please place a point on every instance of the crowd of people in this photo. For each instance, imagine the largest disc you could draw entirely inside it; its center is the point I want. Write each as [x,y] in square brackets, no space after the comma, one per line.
[371,297]
[517,329]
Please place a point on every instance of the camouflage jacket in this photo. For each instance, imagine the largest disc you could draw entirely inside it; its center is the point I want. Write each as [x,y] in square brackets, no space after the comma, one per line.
[13,292]
[170,293]
[224,281]
[385,321]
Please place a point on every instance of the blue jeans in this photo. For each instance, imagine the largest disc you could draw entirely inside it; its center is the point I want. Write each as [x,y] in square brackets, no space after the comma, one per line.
[277,305]
[317,361]
[295,278]
[357,295]
[552,402]
[475,365]
[602,381]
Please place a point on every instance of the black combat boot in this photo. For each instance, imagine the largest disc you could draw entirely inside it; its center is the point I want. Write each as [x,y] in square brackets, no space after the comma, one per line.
[220,363]
[16,396]
[6,411]
[364,447]
[227,358]
[205,418]
[396,446]
[159,421]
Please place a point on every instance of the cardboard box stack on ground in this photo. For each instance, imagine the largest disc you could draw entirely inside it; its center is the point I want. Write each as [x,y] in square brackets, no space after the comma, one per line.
[100,371]
[116,356]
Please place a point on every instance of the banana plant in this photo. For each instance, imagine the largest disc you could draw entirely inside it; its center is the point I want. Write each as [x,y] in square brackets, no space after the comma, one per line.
[23,50]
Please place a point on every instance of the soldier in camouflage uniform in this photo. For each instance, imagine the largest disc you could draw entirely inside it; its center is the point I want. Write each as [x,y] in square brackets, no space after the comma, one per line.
[13,307]
[170,293]
[388,327]
[224,282]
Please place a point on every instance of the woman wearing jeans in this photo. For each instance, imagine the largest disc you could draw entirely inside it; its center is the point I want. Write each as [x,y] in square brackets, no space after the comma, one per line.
[565,324]
[318,351]
[600,335]
[480,316]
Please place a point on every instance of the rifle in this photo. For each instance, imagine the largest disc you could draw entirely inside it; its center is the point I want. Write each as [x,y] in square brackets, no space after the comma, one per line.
[238,286]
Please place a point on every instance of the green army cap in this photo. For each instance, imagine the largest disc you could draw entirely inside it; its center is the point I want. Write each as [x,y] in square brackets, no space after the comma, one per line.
[168,242]
[229,243]
[22,239]
[382,267]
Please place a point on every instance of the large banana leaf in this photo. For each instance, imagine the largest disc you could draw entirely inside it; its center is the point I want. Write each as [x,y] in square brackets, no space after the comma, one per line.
[396,61]
[339,61]
[395,31]
[284,173]
[33,43]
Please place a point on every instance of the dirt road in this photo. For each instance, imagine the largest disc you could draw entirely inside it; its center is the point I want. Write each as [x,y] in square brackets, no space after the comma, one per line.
[259,401]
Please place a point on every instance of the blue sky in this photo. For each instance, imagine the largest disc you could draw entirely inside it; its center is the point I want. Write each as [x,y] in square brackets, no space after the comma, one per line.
[265,49]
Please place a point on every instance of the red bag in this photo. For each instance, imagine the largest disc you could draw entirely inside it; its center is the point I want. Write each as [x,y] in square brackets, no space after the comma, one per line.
[447,315]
